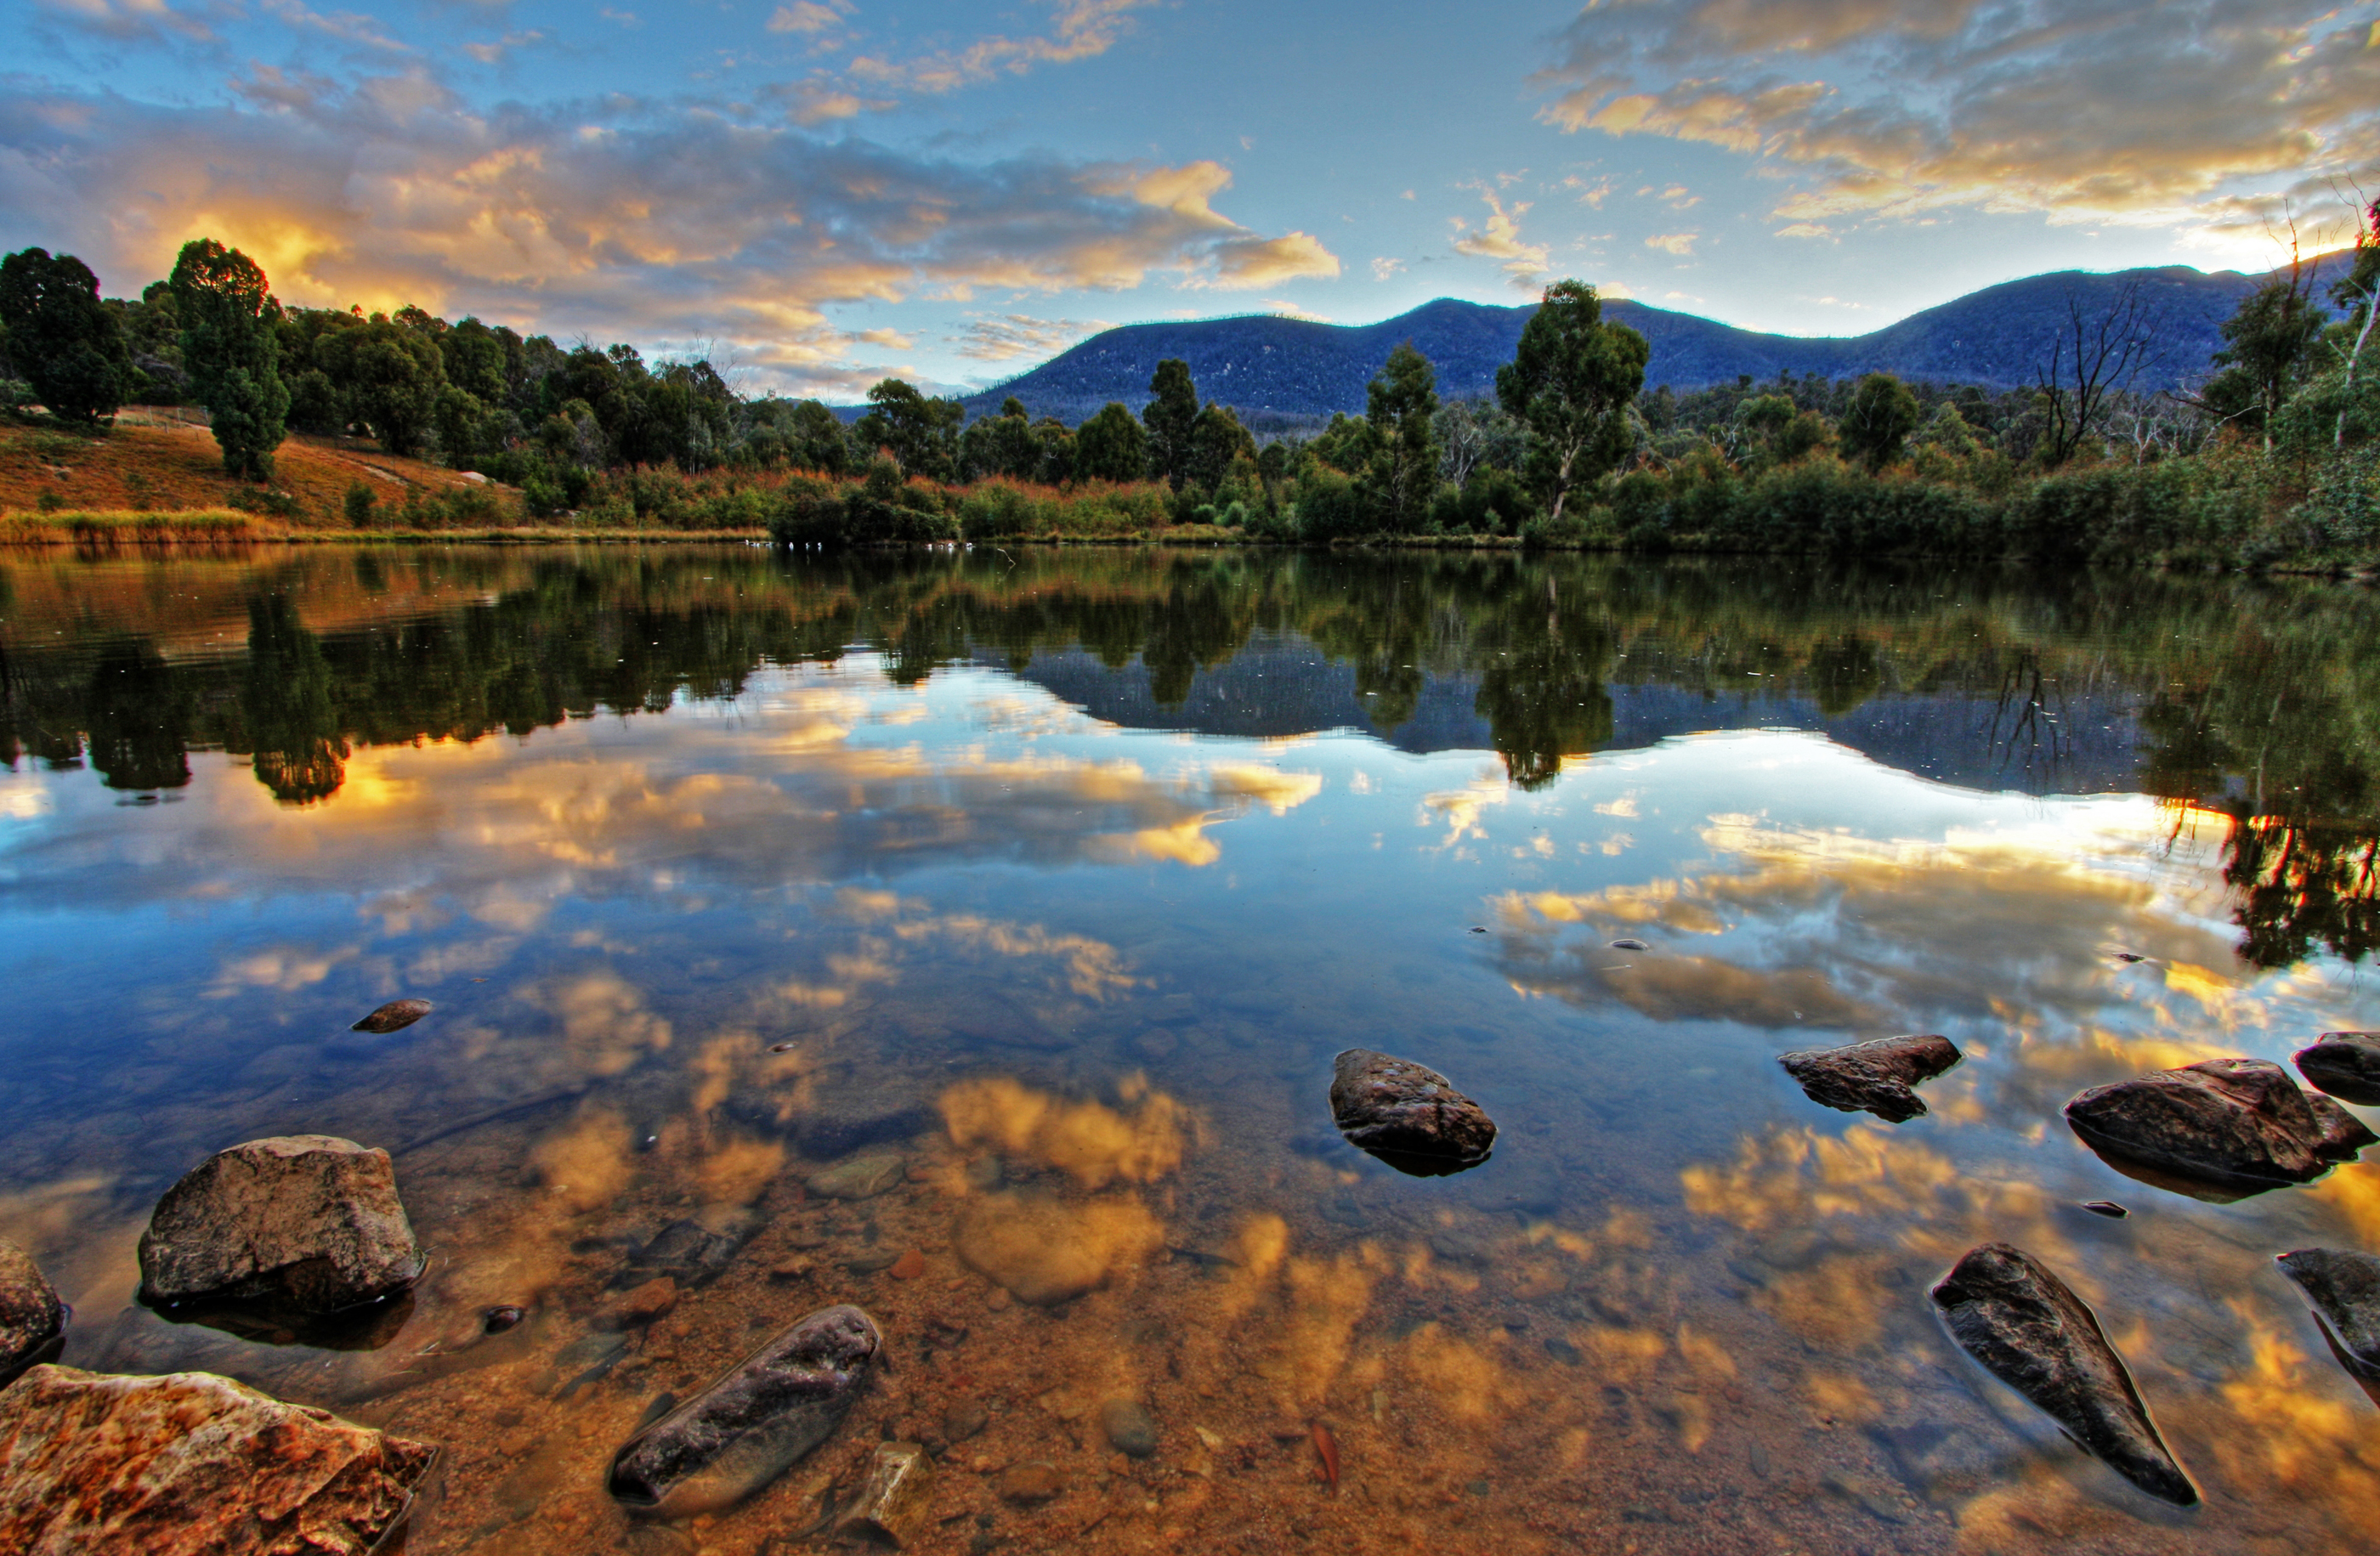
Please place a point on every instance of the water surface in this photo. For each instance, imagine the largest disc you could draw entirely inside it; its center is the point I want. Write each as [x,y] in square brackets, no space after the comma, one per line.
[1064,876]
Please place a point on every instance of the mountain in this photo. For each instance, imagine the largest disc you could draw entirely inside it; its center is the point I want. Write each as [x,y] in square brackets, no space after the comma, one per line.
[1282,372]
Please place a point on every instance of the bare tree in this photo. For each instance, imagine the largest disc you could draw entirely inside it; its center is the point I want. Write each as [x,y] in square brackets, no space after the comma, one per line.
[2097,355]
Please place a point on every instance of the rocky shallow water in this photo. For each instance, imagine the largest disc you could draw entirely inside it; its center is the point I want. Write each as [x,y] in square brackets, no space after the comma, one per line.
[795,937]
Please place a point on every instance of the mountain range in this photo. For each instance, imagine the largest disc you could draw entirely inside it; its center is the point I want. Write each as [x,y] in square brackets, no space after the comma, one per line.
[1280,372]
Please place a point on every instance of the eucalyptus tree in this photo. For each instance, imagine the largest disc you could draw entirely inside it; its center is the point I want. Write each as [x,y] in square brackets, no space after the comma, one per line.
[1571,382]
[231,350]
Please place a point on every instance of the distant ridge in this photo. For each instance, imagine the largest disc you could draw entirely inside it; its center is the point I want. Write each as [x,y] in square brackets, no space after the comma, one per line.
[1280,372]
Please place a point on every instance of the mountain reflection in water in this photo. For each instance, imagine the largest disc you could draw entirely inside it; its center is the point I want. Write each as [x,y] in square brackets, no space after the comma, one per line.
[1058,878]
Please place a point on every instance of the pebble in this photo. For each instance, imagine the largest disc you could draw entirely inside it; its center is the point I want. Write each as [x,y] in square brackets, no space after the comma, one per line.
[862,1177]
[395,1016]
[984,1175]
[1630,944]
[2107,1208]
[643,1304]
[964,1419]
[790,1270]
[1036,1480]
[895,1506]
[909,1266]
[1130,1429]
[873,1261]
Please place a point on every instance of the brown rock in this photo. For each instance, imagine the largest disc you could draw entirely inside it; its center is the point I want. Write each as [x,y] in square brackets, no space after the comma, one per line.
[2235,1124]
[32,1319]
[395,1016]
[192,1464]
[309,1220]
[909,1266]
[2342,1136]
[1873,1076]
[1046,1252]
[2346,1065]
[642,1304]
[1036,1480]
[896,1503]
[1395,1109]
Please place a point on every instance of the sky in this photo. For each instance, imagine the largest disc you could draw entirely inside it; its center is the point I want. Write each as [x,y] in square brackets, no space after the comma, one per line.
[825,192]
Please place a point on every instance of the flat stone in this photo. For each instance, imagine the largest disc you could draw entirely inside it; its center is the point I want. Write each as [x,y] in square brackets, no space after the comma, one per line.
[306,1220]
[2239,1124]
[2346,1065]
[395,1016]
[1873,1076]
[753,1422]
[870,1260]
[191,1465]
[2023,1326]
[1044,1253]
[909,1266]
[895,1505]
[641,1305]
[964,1419]
[837,1127]
[1129,1428]
[863,1177]
[1036,1480]
[32,1319]
[1396,1109]
[2344,1290]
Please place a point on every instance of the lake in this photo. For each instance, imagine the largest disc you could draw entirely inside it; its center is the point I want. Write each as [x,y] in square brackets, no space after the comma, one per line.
[1045,884]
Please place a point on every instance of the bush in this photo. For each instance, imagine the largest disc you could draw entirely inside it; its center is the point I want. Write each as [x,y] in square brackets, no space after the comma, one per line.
[359,504]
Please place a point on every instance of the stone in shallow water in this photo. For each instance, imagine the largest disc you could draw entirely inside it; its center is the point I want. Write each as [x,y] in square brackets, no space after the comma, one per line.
[1130,1429]
[2346,1065]
[2235,1124]
[32,1319]
[863,1177]
[2344,1290]
[2023,1326]
[1406,1114]
[2342,1136]
[1036,1480]
[1044,1253]
[395,1016]
[192,1464]
[309,1221]
[896,1503]
[1873,1076]
[753,1422]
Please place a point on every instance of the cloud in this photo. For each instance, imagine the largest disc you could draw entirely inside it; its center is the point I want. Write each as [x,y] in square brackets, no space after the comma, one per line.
[807,15]
[891,340]
[998,338]
[129,20]
[2072,107]
[1680,244]
[630,219]
[1082,29]
[492,54]
[1384,268]
[1805,229]
[1500,240]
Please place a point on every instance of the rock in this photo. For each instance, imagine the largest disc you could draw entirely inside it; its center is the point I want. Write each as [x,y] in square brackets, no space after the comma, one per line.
[2107,1208]
[984,1175]
[1873,1076]
[872,1260]
[2239,1123]
[306,1220]
[395,1016]
[753,1422]
[191,1463]
[964,1419]
[1036,1481]
[1044,1253]
[688,1252]
[2342,1135]
[909,1266]
[641,1305]
[863,1177]
[1630,943]
[32,1319]
[1405,1113]
[839,1127]
[2346,1065]
[1129,1428]
[2345,1291]
[2026,1329]
[896,1504]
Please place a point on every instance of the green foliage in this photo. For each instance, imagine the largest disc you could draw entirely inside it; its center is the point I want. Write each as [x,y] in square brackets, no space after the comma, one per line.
[232,352]
[1401,406]
[2267,348]
[390,378]
[1881,415]
[921,434]
[62,337]
[1110,447]
[1171,418]
[1570,383]
[358,505]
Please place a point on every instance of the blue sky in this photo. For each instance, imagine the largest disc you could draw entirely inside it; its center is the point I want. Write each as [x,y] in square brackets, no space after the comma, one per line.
[832,190]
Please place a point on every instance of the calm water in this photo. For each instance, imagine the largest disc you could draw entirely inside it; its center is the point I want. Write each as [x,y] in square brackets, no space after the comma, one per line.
[1062,877]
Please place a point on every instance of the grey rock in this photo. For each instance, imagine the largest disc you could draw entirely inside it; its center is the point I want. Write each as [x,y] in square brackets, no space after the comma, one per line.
[395,1016]
[688,1251]
[838,1129]
[1873,1076]
[1129,1428]
[1396,1109]
[311,1220]
[753,1422]
[32,1319]
[2023,1326]
[2345,1291]
[2346,1065]
[863,1177]
[2239,1123]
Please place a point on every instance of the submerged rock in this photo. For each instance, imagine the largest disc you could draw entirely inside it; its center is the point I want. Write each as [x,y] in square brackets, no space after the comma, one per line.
[2239,1123]
[688,1252]
[896,1503]
[2346,1065]
[1035,1480]
[1044,1253]
[32,1319]
[188,1464]
[307,1221]
[1407,1114]
[1129,1428]
[1873,1076]
[863,1177]
[2345,1291]
[747,1428]
[2025,1328]
[395,1016]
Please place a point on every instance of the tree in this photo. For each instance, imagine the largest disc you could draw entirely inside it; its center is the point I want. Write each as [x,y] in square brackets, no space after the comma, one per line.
[1878,420]
[1110,447]
[922,433]
[1401,403]
[1571,382]
[1171,417]
[64,339]
[817,438]
[232,352]
[2096,354]
[1217,438]
[389,376]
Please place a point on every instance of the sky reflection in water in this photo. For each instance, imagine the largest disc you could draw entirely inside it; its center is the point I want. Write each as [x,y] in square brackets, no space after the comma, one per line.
[856,876]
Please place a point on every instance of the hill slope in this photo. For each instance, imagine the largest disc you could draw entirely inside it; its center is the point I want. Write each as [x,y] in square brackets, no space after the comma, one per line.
[1281,371]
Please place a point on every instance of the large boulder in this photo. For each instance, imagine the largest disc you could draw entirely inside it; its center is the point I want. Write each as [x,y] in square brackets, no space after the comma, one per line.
[192,1464]
[2237,1124]
[2344,1290]
[2022,1325]
[753,1422]
[2346,1065]
[1406,1114]
[1873,1076]
[32,1319]
[309,1221]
